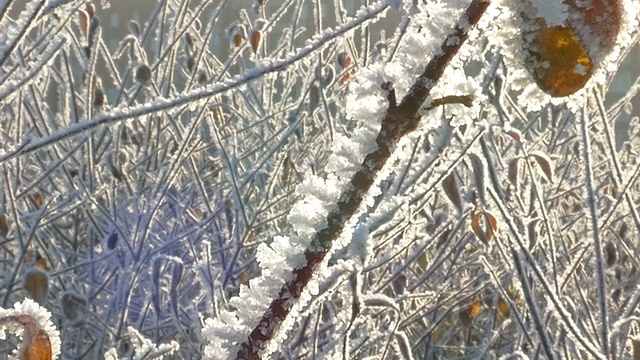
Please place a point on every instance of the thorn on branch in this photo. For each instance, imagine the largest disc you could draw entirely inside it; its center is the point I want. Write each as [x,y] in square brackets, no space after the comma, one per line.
[465,100]
[391,94]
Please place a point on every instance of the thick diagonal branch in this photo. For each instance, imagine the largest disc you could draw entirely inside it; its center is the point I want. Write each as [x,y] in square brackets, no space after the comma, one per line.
[399,120]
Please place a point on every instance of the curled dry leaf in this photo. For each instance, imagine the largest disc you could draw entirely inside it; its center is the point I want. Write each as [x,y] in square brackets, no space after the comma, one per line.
[466,316]
[401,341]
[343,59]
[314,98]
[514,134]
[143,74]
[36,343]
[41,262]
[256,38]
[611,253]
[134,28]
[345,77]
[503,307]
[557,61]
[596,23]
[451,189]
[484,225]
[39,347]
[91,9]
[38,200]
[36,284]
[239,36]
[545,164]
[4,226]
[513,172]
[84,22]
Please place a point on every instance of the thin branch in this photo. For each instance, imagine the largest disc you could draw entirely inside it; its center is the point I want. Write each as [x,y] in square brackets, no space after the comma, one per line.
[597,246]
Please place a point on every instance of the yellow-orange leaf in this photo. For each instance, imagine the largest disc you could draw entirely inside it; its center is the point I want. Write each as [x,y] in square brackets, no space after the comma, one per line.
[557,61]
[38,200]
[84,22]
[474,309]
[561,57]
[503,307]
[38,347]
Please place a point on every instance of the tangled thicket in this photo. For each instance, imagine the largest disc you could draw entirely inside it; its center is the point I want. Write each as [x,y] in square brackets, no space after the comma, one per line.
[156,199]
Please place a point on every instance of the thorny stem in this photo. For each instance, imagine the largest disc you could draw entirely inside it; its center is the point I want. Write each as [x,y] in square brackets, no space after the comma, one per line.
[398,121]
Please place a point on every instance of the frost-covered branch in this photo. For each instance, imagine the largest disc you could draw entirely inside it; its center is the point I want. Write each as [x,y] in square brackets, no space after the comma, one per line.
[399,120]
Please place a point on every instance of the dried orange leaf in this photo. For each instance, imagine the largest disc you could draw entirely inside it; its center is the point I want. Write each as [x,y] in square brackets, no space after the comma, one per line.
[38,200]
[84,22]
[545,163]
[256,37]
[38,346]
[515,134]
[91,10]
[403,346]
[484,225]
[474,309]
[557,60]
[343,59]
[503,307]
[345,77]
[238,39]
[41,263]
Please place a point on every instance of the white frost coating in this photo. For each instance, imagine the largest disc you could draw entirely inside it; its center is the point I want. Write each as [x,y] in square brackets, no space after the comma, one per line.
[146,349]
[554,12]
[279,257]
[39,315]
[361,248]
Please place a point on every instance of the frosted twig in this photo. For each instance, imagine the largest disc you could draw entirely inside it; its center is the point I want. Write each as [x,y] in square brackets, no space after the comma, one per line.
[597,246]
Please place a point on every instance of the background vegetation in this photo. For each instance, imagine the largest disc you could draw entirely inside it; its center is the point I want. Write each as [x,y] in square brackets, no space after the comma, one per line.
[154,199]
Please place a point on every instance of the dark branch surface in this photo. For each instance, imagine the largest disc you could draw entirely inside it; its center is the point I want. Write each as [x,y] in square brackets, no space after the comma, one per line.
[399,120]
